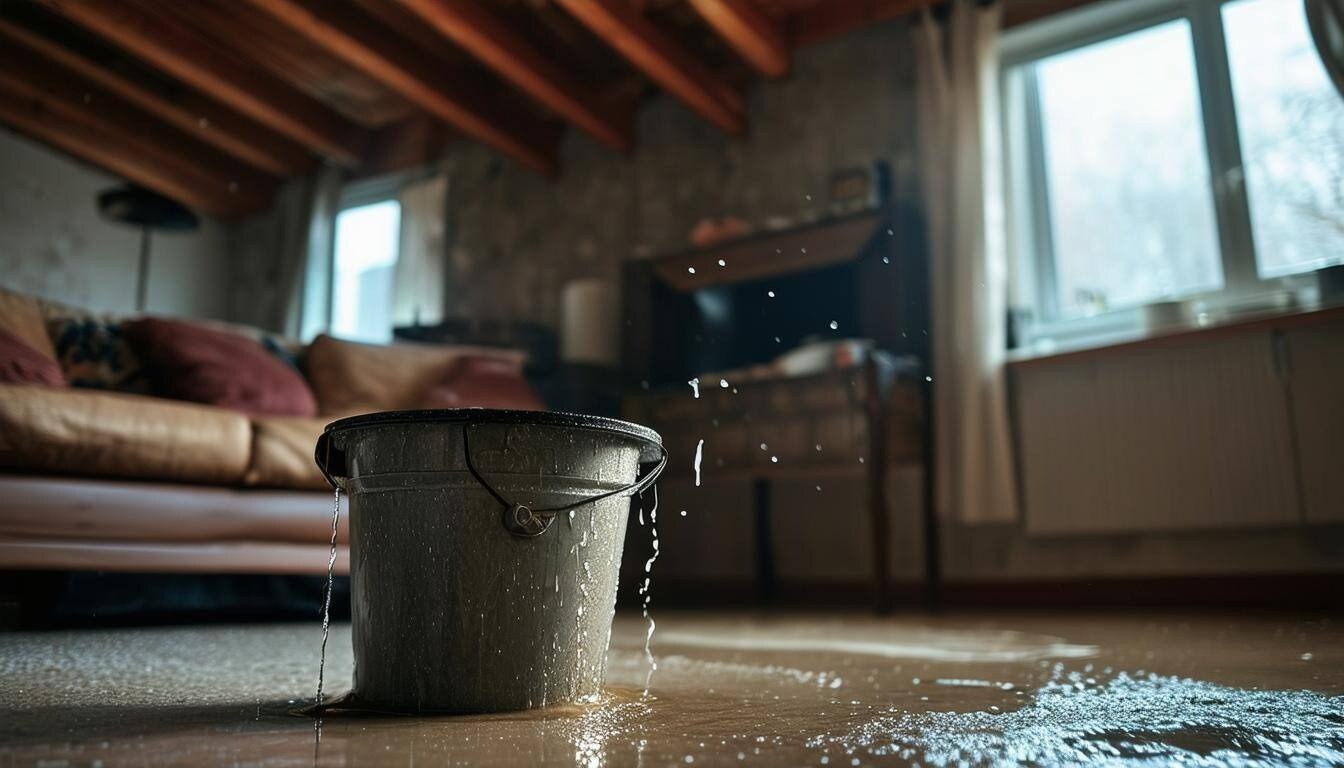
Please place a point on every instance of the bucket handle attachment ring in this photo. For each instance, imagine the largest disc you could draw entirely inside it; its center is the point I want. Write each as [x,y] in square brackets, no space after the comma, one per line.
[527,522]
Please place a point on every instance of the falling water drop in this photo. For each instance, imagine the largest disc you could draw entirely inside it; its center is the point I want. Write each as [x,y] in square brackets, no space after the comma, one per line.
[722,263]
[326,600]
[695,387]
[691,270]
[771,294]
[723,383]
[648,595]
[834,325]
[699,454]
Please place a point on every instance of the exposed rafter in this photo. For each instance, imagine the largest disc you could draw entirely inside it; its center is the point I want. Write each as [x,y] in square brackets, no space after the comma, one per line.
[184,55]
[61,108]
[825,20]
[755,36]
[659,57]
[339,30]
[193,114]
[510,55]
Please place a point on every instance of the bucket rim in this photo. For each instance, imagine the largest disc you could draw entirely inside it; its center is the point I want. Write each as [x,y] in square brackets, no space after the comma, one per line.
[651,443]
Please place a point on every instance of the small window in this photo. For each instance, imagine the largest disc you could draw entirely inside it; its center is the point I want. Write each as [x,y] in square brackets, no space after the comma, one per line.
[1167,150]
[365,260]
[1126,176]
[1291,124]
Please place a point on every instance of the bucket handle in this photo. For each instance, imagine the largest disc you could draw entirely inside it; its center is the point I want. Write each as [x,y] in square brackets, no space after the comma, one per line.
[522,520]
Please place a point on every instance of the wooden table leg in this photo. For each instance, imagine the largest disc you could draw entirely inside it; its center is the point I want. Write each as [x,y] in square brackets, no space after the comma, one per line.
[876,462]
[765,550]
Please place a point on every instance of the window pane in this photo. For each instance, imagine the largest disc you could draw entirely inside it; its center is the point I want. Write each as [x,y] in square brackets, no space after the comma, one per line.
[365,259]
[1291,121]
[1131,209]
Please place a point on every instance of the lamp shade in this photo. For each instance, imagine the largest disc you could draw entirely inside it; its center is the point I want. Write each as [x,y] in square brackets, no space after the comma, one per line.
[140,207]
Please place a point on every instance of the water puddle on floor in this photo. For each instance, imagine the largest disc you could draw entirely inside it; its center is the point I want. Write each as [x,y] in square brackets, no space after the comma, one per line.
[730,690]
[1124,720]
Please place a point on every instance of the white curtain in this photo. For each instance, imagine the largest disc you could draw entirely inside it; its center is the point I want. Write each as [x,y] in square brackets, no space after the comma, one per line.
[420,279]
[281,276]
[309,308]
[958,113]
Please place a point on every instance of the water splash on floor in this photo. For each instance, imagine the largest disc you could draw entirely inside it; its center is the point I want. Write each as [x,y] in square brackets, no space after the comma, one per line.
[1126,720]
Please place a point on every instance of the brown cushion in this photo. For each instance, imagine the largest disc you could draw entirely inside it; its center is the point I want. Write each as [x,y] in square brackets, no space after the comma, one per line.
[349,377]
[207,365]
[282,453]
[82,432]
[21,364]
[483,382]
[21,316]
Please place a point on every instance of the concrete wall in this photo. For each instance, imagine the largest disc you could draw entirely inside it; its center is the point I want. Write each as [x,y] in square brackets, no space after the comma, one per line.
[53,244]
[516,238]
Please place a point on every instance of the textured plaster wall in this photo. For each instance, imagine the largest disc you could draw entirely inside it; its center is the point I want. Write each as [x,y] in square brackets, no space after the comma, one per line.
[516,238]
[53,244]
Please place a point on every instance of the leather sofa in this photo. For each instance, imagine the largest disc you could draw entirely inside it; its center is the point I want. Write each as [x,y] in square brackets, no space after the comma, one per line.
[92,479]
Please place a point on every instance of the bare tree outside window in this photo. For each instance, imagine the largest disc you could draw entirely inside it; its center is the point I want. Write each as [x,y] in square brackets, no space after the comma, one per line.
[1291,123]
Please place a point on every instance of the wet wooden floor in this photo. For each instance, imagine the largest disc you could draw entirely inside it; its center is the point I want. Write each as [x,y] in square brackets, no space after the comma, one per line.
[836,690]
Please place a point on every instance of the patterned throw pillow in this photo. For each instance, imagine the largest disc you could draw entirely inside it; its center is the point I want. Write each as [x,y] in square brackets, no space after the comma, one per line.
[94,354]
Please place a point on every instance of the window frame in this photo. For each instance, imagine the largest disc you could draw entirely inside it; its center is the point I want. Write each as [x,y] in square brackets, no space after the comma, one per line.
[368,191]
[1033,259]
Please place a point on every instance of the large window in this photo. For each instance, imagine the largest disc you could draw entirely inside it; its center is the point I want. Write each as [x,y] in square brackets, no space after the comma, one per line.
[1168,149]
[364,265]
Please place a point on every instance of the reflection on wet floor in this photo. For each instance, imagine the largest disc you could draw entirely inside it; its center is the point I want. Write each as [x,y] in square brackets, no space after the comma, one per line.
[839,691]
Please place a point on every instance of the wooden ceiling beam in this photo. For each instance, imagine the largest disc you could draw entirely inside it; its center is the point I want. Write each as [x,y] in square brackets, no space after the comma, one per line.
[755,36]
[44,119]
[625,29]
[339,30]
[220,127]
[185,56]
[824,21]
[512,57]
[173,162]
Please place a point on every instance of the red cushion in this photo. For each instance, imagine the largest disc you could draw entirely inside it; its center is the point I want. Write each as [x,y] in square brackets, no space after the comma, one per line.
[204,365]
[21,364]
[483,382]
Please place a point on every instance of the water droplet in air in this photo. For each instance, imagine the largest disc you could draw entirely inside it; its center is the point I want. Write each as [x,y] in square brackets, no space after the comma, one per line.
[722,263]
[764,447]
[886,259]
[683,513]
[1306,657]
[834,325]
[723,383]
[774,459]
[889,232]
[691,270]
[695,387]
[818,446]
[771,294]
[699,453]
[928,378]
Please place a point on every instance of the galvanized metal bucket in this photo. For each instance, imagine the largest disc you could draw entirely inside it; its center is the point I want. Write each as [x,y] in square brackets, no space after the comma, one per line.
[484,551]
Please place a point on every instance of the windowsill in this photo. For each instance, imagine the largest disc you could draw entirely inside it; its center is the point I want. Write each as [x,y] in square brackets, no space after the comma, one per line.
[1238,322]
